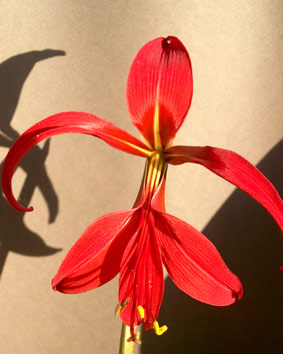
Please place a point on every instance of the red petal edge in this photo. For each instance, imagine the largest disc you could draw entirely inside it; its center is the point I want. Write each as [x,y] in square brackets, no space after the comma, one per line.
[235,169]
[66,122]
[160,86]
[95,258]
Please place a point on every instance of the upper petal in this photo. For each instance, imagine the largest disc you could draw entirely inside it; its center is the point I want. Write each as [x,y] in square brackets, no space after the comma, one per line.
[159,90]
[95,258]
[235,169]
[194,264]
[67,122]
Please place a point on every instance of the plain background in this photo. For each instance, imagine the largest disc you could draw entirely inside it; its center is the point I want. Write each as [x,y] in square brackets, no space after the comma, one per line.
[236,53]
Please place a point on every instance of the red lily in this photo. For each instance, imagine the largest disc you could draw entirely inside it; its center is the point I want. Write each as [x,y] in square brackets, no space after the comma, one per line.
[136,242]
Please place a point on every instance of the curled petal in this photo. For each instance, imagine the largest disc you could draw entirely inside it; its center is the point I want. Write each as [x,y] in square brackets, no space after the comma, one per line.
[194,264]
[67,122]
[141,281]
[159,90]
[95,258]
[235,169]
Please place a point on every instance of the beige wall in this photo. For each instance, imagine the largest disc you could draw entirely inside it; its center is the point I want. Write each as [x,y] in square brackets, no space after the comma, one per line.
[236,53]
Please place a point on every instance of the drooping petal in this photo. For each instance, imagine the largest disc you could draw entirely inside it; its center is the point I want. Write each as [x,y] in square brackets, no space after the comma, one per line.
[141,277]
[67,122]
[194,264]
[95,258]
[235,169]
[159,89]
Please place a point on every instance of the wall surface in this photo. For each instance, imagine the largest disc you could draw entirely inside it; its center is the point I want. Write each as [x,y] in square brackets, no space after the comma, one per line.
[75,55]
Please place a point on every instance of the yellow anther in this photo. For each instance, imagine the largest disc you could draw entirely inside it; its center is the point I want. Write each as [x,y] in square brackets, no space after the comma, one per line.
[141,312]
[118,310]
[121,307]
[159,330]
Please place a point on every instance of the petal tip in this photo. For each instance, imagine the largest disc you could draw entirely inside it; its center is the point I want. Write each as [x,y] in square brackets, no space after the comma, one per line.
[58,286]
[172,43]
[54,284]
[166,42]
[23,209]
[20,208]
[237,295]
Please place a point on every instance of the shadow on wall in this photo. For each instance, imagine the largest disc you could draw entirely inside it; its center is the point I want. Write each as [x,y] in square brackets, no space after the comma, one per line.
[14,235]
[252,246]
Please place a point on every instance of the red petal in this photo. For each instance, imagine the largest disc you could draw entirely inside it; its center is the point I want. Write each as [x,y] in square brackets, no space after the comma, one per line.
[95,258]
[235,169]
[67,122]
[141,277]
[159,89]
[194,264]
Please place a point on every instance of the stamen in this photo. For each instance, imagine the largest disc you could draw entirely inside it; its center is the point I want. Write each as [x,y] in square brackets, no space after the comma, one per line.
[161,168]
[141,312]
[121,307]
[159,330]
[149,175]
[155,170]
[118,310]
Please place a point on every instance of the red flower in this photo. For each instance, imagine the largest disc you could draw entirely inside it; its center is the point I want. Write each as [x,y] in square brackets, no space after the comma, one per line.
[136,242]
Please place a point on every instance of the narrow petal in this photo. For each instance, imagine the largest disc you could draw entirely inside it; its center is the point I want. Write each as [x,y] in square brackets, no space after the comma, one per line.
[95,258]
[141,277]
[194,264]
[67,122]
[159,90]
[235,169]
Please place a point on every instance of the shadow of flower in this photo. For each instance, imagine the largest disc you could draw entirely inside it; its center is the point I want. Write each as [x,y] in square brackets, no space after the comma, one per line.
[14,234]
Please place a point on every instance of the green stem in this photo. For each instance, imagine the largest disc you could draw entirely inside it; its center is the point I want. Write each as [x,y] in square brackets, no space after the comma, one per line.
[125,346]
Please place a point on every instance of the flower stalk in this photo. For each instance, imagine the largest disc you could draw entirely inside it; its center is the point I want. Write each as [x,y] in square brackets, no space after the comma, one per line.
[126,347]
